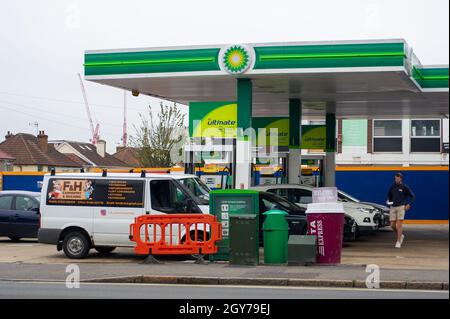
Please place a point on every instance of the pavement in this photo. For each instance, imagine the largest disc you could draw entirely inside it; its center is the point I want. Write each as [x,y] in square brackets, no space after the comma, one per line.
[422,263]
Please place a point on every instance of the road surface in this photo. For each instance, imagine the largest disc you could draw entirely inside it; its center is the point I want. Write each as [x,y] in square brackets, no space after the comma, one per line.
[14,289]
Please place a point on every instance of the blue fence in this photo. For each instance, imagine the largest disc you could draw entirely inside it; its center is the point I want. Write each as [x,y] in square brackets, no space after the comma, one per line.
[430,187]
[22,182]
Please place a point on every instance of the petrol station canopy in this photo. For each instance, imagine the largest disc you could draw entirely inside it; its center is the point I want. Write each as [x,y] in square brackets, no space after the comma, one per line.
[358,79]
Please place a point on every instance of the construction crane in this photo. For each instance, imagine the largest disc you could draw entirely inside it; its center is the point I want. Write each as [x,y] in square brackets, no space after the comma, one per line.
[124,134]
[94,131]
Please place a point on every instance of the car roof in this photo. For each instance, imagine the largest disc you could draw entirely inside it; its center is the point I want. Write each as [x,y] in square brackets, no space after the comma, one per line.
[20,192]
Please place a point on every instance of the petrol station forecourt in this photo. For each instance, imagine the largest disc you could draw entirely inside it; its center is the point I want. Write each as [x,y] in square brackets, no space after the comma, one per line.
[291,81]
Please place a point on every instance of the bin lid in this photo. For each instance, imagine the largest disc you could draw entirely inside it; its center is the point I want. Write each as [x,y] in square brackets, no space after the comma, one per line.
[275,212]
[325,208]
[275,220]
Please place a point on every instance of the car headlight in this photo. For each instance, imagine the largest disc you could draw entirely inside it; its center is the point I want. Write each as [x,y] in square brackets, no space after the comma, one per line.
[367,220]
[364,210]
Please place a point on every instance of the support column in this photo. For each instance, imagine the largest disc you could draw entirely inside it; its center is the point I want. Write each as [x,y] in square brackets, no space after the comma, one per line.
[295,118]
[242,172]
[330,149]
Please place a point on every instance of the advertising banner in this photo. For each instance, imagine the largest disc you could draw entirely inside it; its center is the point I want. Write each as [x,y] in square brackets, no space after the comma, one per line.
[95,192]
[313,137]
[213,119]
[281,124]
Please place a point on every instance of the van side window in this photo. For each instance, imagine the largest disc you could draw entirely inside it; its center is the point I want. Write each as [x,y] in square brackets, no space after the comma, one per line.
[168,197]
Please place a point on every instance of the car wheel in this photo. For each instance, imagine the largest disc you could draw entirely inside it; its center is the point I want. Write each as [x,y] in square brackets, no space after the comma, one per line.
[76,245]
[14,238]
[104,249]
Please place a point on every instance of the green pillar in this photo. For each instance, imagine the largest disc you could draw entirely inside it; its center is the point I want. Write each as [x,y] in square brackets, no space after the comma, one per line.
[244,103]
[295,118]
[330,149]
[242,172]
[330,121]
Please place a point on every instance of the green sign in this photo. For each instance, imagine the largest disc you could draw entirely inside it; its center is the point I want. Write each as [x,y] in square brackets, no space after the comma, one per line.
[354,133]
[212,119]
[281,124]
[313,137]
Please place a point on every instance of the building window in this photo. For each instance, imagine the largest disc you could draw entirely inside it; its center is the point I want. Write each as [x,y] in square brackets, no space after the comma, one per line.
[426,136]
[387,136]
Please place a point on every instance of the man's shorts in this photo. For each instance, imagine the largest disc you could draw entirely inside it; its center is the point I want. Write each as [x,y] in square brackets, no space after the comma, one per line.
[397,213]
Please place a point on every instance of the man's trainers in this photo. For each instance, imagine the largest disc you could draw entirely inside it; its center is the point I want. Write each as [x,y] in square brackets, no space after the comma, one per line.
[401,239]
[398,244]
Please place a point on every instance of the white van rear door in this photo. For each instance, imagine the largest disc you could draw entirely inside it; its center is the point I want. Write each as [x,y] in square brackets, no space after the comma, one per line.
[124,200]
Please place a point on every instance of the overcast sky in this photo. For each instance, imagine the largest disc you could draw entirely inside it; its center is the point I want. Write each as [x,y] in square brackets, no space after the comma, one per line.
[42,45]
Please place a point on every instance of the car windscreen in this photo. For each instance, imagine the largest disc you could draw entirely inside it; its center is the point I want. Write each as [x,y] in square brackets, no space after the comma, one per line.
[348,197]
[282,203]
[197,188]
[38,198]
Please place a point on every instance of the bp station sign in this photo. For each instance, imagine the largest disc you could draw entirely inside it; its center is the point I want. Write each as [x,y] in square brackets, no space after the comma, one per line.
[236,59]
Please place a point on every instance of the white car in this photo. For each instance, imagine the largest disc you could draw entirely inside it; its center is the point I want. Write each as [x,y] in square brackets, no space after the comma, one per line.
[366,216]
[80,211]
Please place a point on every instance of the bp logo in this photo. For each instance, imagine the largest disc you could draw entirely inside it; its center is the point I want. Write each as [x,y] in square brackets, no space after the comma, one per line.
[236,59]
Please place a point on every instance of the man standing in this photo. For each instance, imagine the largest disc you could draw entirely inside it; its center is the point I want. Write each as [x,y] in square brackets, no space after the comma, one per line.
[400,197]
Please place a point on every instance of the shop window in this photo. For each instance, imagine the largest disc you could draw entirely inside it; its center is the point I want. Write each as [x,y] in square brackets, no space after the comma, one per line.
[426,136]
[387,136]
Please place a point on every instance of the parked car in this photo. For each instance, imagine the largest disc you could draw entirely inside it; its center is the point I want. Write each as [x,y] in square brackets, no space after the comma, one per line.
[296,217]
[80,211]
[366,217]
[19,214]
[384,211]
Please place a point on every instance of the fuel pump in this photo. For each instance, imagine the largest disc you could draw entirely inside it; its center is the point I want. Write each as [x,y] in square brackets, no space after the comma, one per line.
[212,161]
[312,168]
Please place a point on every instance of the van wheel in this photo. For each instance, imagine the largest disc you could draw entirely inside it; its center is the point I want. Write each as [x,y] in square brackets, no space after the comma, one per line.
[76,245]
[14,238]
[104,249]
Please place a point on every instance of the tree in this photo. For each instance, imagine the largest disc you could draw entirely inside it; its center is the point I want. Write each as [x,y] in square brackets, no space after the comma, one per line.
[155,141]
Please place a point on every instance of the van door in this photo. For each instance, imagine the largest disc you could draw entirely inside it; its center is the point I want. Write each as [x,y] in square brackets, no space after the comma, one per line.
[123,201]
[167,196]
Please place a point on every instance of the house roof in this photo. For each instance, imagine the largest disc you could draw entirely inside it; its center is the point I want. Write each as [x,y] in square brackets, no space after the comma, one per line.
[24,148]
[128,155]
[5,156]
[77,159]
[89,151]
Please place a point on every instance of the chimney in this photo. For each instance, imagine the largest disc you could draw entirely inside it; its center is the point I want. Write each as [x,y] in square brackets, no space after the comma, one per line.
[43,141]
[101,148]
[8,135]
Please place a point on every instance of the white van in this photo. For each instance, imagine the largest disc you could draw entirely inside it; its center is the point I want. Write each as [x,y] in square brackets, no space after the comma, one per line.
[80,211]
